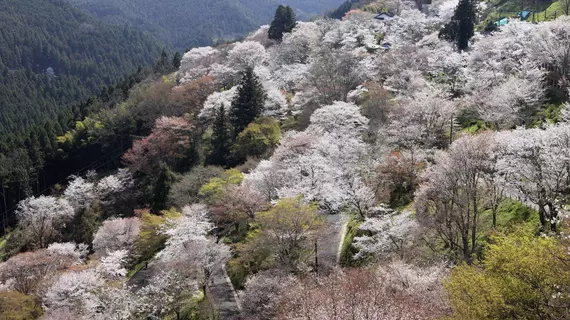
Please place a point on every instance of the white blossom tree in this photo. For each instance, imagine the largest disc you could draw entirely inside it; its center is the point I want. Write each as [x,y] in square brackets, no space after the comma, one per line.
[43,218]
[391,233]
[80,192]
[247,54]
[536,163]
[116,234]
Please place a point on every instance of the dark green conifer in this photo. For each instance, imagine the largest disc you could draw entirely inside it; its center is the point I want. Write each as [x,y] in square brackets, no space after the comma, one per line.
[462,26]
[221,139]
[284,21]
[161,189]
[248,102]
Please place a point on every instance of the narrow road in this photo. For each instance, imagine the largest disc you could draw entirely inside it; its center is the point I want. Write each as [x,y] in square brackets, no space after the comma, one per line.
[223,295]
[328,245]
[141,278]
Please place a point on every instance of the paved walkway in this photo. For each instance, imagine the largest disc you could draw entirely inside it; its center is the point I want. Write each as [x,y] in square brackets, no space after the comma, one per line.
[223,295]
[328,245]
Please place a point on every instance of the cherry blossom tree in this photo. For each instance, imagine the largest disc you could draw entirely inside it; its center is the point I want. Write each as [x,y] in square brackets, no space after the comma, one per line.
[334,74]
[550,47]
[112,266]
[450,201]
[168,143]
[261,294]
[320,163]
[80,192]
[43,218]
[166,293]
[247,54]
[215,101]
[188,245]
[72,290]
[401,293]
[536,162]
[390,233]
[196,62]
[30,272]
[116,234]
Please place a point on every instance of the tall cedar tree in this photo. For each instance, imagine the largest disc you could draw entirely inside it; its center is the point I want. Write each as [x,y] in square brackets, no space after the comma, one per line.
[462,26]
[161,189]
[284,22]
[221,139]
[248,102]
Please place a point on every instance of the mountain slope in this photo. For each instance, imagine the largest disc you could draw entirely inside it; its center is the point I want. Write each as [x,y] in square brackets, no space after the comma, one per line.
[188,23]
[52,54]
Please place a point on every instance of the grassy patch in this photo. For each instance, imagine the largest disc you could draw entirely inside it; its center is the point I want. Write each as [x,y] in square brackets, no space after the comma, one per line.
[347,250]
[551,12]
[3,242]
[151,240]
[509,213]
[17,306]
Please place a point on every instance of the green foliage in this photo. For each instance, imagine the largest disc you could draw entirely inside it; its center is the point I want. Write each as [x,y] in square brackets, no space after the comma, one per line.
[250,258]
[17,306]
[248,103]
[54,55]
[221,139]
[511,213]
[161,189]
[3,242]
[345,7]
[284,22]
[522,277]
[348,250]
[186,189]
[214,189]
[182,24]
[151,239]
[257,140]
[551,114]
[462,25]
[287,230]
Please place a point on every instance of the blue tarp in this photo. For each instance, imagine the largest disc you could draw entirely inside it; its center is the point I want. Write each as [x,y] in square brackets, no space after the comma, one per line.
[502,22]
[524,14]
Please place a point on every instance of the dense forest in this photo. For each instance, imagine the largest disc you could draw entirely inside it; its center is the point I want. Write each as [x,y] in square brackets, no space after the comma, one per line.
[53,55]
[183,24]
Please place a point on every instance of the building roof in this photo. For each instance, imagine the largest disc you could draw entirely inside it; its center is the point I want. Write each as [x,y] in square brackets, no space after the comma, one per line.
[384,16]
[502,22]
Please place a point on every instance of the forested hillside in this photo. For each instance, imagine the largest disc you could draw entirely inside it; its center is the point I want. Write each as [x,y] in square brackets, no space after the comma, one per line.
[409,168]
[52,55]
[183,24]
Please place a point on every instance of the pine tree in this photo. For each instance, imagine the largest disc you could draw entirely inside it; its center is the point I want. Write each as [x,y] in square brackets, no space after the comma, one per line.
[161,189]
[462,26]
[290,20]
[176,60]
[221,139]
[248,103]
[284,21]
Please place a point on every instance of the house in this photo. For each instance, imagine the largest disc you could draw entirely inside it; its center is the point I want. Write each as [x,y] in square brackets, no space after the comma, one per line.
[502,22]
[384,16]
[523,15]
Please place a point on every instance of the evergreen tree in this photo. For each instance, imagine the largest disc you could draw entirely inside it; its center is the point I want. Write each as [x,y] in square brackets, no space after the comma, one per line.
[161,189]
[284,21]
[176,60]
[221,139]
[462,26]
[248,103]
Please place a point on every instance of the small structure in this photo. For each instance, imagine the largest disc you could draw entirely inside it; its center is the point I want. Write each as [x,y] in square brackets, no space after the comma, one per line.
[502,22]
[523,15]
[384,16]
